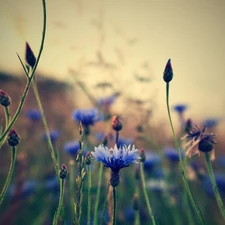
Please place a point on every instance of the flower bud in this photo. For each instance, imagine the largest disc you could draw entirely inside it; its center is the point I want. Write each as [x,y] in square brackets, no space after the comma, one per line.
[30,58]
[168,72]
[4,99]
[63,171]
[206,144]
[88,158]
[116,124]
[13,138]
[142,155]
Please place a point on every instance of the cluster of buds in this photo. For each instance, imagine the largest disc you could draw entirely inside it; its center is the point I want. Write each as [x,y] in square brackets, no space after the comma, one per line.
[4,99]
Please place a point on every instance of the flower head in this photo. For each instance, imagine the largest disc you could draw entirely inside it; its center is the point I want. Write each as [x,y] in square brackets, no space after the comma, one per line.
[13,138]
[210,123]
[180,108]
[116,158]
[33,114]
[72,148]
[4,99]
[87,116]
[199,140]
[54,135]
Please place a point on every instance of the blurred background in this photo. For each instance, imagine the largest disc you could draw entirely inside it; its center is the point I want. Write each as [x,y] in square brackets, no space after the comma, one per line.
[111,55]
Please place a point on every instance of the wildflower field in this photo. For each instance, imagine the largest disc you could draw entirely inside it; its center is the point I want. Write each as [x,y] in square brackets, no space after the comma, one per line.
[66,164]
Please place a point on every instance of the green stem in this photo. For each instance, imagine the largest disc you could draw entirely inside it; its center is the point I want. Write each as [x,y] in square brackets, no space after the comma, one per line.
[98,194]
[26,89]
[7,116]
[58,210]
[9,176]
[215,187]
[89,195]
[52,152]
[71,187]
[181,163]
[145,194]
[114,206]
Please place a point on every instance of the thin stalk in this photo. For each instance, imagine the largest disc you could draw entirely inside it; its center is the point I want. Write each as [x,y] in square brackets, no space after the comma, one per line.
[114,205]
[7,116]
[181,164]
[26,89]
[89,195]
[58,210]
[117,137]
[215,187]
[71,187]
[98,194]
[145,194]
[9,176]
[44,120]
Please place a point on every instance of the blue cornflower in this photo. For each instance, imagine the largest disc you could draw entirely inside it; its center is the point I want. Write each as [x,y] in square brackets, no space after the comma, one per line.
[33,114]
[87,116]
[210,123]
[72,148]
[180,108]
[172,154]
[51,183]
[116,159]
[54,135]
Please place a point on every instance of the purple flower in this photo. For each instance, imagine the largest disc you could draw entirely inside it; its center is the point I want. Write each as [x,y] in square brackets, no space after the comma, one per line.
[54,135]
[33,114]
[51,183]
[210,123]
[87,116]
[72,148]
[152,160]
[106,101]
[180,108]
[172,154]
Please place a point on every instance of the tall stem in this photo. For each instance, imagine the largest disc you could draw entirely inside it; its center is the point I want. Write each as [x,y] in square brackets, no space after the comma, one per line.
[114,205]
[9,176]
[57,213]
[181,164]
[89,195]
[215,187]
[98,194]
[145,193]
[52,152]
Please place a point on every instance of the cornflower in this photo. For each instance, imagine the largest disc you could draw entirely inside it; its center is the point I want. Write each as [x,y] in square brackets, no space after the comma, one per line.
[116,159]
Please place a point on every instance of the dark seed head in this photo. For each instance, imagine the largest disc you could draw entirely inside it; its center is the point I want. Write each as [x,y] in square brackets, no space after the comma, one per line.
[206,144]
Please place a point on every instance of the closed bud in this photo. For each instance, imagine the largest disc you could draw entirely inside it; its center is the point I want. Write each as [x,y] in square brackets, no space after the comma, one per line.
[88,158]
[116,124]
[188,126]
[168,72]
[206,144]
[4,99]
[142,155]
[30,58]
[13,138]
[63,171]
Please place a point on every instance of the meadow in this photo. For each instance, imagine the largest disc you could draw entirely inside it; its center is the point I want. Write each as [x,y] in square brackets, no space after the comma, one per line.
[63,164]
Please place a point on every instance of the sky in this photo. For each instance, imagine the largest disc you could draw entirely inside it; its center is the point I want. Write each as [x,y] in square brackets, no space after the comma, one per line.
[125,42]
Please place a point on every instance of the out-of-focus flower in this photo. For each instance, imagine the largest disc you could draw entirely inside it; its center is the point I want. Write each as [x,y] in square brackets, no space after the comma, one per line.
[220,181]
[88,117]
[129,214]
[72,148]
[210,123]
[116,159]
[172,154]
[152,160]
[124,141]
[33,114]
[54,135]
[180,108]
[107,101]
[51,182]
[199,140]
